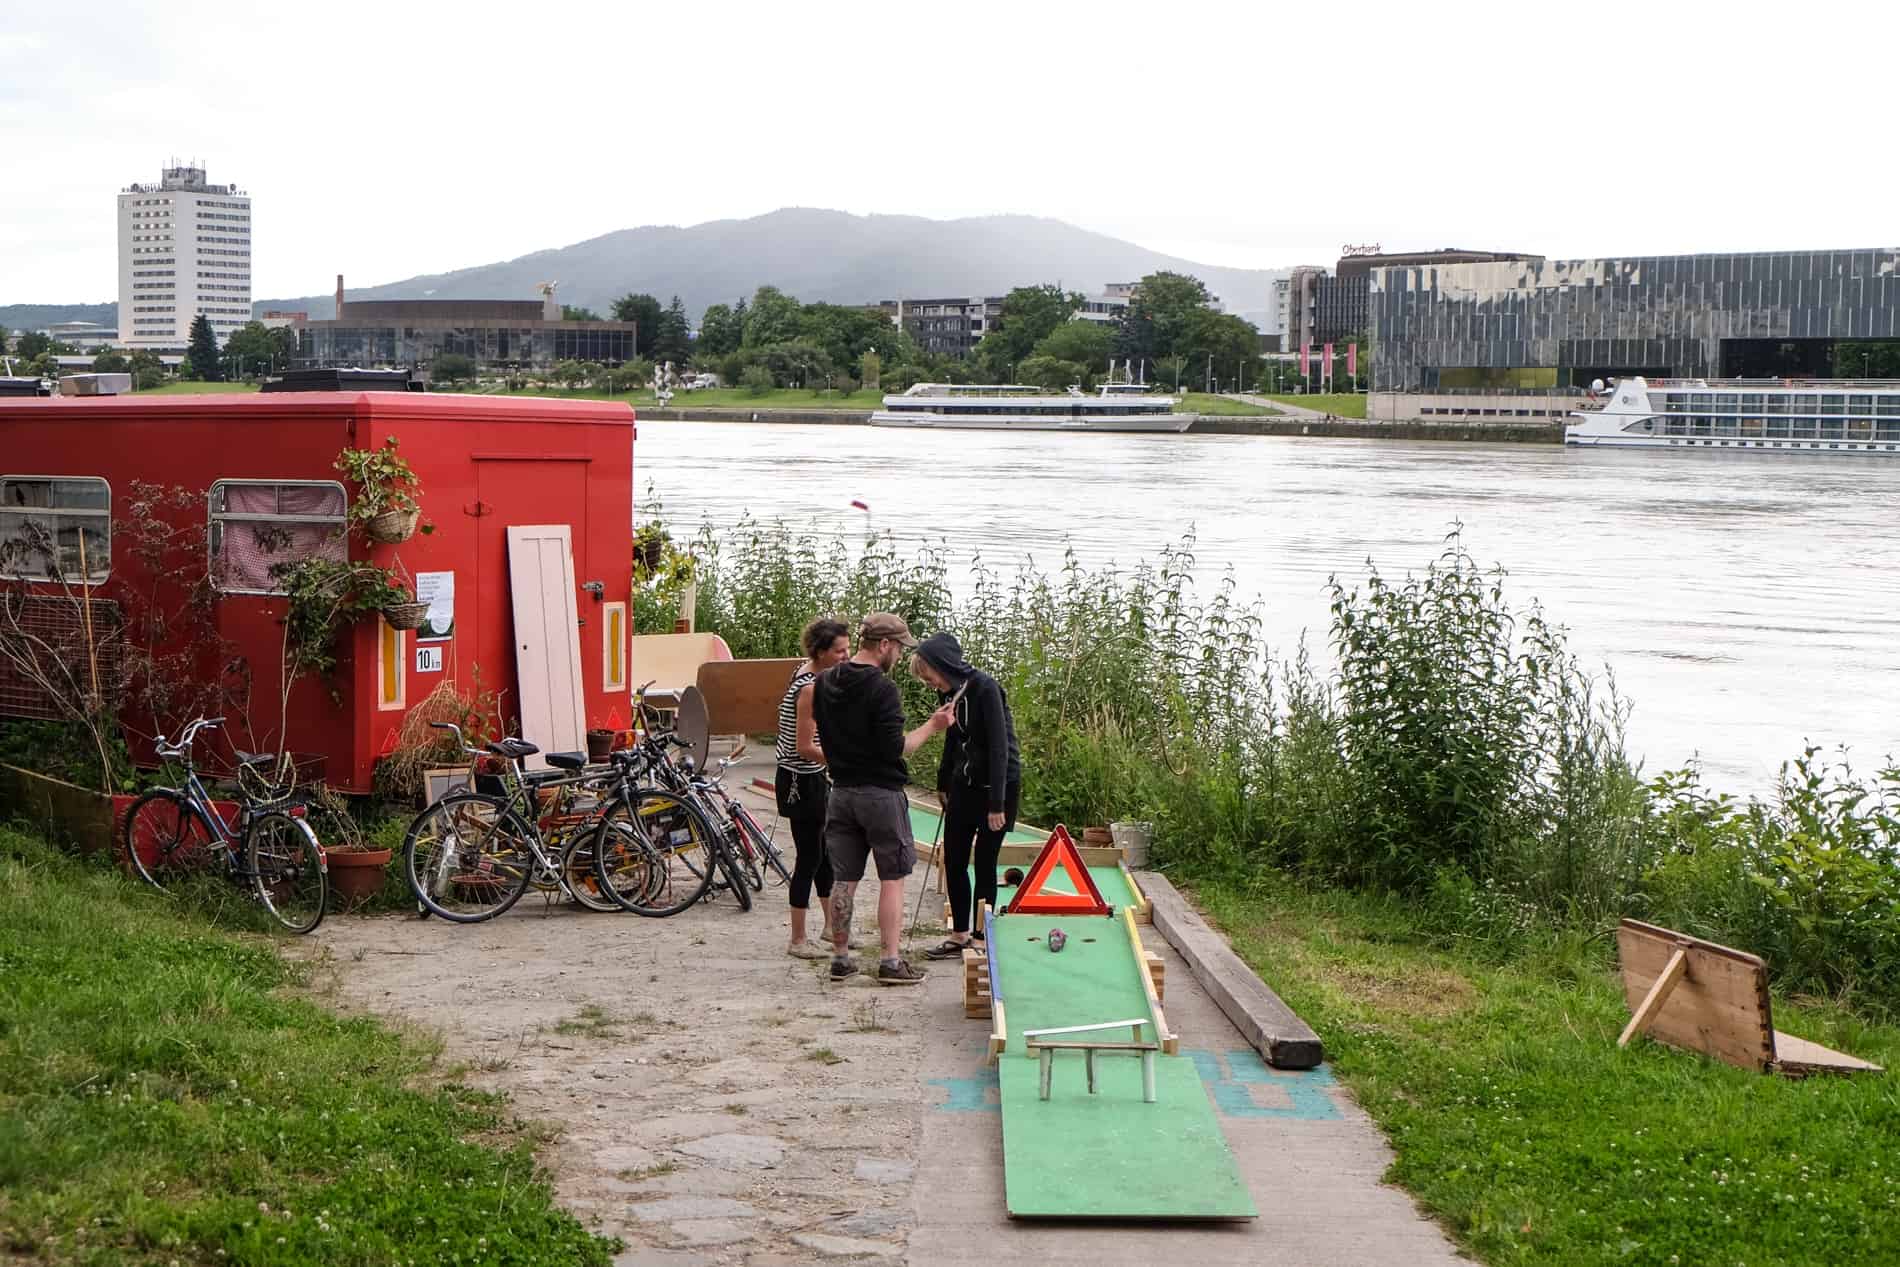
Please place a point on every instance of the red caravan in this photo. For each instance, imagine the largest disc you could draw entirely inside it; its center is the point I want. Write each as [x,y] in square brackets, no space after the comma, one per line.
[484,464]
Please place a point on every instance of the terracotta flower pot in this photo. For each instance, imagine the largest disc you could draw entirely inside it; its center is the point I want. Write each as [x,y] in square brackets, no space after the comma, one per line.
[1097,837]
[599,744]
[357,875]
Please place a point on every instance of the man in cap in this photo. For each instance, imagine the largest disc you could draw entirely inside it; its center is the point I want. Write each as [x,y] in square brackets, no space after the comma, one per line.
[860,720]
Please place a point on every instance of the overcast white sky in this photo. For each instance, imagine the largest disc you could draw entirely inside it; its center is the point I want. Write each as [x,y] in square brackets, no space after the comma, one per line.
[389,139]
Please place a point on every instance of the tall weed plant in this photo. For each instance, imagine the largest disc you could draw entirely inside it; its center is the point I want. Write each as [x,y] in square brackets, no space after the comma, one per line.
[1458,756]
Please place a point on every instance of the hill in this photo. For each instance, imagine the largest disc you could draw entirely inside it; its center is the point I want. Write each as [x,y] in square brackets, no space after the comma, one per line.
[818,255]
[18,317]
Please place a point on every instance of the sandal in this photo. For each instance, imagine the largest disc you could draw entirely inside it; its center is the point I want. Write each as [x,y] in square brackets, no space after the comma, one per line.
[947,949]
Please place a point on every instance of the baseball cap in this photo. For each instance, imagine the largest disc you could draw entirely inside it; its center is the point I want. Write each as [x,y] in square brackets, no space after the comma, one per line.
[885,625]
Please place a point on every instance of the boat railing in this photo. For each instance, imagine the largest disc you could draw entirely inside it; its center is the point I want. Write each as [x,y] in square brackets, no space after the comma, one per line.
[1759,384]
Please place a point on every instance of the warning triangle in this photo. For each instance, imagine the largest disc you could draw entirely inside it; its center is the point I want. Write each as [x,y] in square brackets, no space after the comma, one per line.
[1038,894]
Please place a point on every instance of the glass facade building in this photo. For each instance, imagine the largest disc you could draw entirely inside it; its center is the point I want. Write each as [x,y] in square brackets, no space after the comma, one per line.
[1561,323]
[525,344]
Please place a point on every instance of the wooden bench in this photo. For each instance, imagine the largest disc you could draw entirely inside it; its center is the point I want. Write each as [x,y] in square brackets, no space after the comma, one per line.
[1704,997]
[1037,1042]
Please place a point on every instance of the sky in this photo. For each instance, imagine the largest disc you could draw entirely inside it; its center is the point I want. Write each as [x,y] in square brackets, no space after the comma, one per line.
[391,139]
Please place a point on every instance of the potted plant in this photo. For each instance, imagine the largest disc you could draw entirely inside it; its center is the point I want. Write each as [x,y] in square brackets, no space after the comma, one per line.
[649,547]
[385,505]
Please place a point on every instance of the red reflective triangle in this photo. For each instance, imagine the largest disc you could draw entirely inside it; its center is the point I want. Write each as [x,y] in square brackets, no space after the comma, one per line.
[1032,899]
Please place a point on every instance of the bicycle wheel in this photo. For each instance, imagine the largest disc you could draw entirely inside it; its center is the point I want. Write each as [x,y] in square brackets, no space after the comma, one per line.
[654,852]
[735,875]
[468,857]
[583,878]
[761,842]
[285,863]
[740,846]
[167,838]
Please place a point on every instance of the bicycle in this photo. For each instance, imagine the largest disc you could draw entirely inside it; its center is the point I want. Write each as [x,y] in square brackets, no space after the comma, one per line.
[757,853]
[471,854]
[172,833]
[727,853]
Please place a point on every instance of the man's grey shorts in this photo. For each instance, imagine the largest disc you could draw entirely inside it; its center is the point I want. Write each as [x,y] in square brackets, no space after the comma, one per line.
[869,822]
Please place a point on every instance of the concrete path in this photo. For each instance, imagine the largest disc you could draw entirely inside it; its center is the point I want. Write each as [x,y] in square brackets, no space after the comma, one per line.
[1291,411]
[714,1101]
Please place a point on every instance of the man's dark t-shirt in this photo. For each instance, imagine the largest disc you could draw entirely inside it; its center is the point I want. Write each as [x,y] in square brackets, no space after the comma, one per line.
[860,719]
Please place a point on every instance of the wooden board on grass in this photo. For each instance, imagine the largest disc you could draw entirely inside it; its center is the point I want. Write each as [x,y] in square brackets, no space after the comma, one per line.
[1717,1003]
[1107,1155]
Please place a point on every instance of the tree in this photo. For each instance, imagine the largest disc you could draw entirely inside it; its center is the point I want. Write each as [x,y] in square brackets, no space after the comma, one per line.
[1158,314]
[1217,340]
[846,334]
[31,344]
[147,370]
[673,339]
[452,367]
[645,310]
[773,318]
[1030,314]
[1047,372]
[871,368]
[1089,344]
[249,350]
[3,340]
[756,380]
[570,313]
[719,332]
[202,351]
[283,341]
[111,361]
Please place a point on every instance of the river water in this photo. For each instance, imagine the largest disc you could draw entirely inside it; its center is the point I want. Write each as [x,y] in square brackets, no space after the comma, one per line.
[1745,603]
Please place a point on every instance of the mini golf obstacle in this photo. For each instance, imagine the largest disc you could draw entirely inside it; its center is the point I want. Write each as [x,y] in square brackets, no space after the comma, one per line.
[1134,1135]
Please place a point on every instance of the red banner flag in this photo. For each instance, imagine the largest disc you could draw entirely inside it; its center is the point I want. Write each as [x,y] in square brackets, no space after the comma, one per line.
[1326,364]
[1305,351]
[1352,359]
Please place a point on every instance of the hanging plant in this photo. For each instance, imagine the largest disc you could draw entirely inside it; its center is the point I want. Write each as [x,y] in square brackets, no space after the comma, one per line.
[385,506]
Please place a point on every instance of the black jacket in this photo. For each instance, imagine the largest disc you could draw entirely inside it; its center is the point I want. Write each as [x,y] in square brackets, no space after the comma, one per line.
[979,749]
[860,720]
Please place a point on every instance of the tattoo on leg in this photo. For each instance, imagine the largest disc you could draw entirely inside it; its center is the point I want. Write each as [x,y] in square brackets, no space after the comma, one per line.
[841,912]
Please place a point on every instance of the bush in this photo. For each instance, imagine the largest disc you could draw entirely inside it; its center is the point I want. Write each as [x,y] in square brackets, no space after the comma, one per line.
[756,380]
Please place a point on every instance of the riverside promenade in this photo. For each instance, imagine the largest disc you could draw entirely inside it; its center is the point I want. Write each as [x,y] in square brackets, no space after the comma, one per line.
[713,1101]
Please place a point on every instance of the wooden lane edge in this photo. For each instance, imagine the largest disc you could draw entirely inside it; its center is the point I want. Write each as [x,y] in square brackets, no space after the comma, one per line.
[1169,1040]
[1144,909]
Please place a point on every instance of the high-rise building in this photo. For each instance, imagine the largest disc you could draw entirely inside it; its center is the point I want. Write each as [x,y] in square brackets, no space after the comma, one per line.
[184,249]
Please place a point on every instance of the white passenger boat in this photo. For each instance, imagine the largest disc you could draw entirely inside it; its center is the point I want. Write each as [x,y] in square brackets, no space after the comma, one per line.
[1777,415]
[994,407]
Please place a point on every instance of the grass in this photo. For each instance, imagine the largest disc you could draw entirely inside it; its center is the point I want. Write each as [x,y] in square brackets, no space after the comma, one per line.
[1519,1123]
[1222,406]
[1340,404]
[164,1096]
[197,389]
[825,1056]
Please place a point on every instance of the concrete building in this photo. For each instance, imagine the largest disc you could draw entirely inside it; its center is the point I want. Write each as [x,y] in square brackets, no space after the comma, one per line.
[494,333]
[87,336]
[1535,325]
[184,249]
[944,327]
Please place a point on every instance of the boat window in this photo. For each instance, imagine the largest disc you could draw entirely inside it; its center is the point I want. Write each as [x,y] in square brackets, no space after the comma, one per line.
[258,525]
[1860,404]
[49,523]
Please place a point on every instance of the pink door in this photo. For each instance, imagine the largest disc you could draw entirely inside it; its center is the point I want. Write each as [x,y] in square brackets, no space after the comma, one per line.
[547,638]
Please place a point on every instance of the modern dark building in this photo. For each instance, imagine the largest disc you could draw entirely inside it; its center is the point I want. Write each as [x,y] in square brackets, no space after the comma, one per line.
[1320,308]
[494,333]
[944,327]
[1547,324]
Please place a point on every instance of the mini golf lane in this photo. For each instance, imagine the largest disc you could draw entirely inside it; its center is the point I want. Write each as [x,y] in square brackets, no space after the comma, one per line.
[1115,885]
[926,827]
[1107,1155]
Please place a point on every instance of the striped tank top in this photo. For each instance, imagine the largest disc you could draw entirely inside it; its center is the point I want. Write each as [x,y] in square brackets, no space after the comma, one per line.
[788,757]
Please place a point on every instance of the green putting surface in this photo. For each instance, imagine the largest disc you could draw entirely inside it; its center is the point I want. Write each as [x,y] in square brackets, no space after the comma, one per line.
[924,825]
[1107,1155]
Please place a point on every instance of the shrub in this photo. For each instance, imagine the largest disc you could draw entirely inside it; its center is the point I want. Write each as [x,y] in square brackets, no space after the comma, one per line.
[756,380]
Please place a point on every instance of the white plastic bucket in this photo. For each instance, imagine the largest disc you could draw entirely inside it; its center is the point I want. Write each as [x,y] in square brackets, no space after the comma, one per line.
[1133,840]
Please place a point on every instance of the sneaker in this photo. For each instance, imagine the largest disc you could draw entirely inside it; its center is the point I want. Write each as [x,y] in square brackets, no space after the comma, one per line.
[947,949]
[808,950]
[899,973]
[843,969]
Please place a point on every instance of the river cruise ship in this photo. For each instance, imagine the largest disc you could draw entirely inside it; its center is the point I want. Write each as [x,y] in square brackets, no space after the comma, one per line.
[1784,415]
[993,407]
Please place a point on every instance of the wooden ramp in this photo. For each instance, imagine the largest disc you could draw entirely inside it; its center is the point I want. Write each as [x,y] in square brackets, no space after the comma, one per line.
[1709,998]
[1107,1154]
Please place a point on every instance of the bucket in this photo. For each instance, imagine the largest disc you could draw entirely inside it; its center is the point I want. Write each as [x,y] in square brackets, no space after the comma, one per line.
[1133,840]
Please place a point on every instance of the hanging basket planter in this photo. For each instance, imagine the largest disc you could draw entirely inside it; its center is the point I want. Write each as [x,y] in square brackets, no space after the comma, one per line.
[406,615]
[391,527]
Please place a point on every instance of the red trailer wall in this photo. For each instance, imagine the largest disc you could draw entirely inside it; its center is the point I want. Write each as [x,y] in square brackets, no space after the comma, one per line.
[484,463]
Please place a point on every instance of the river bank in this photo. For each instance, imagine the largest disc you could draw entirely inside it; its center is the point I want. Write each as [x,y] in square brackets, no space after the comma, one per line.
[1344,428]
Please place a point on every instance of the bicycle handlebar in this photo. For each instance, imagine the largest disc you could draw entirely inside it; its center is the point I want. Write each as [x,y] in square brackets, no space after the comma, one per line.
[186,738]
[460,739]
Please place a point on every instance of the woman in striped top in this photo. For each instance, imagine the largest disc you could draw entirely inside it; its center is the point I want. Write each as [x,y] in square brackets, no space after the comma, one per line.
[802,786]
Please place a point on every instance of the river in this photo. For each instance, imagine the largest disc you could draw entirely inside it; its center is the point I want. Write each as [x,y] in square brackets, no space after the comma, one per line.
[1745,603]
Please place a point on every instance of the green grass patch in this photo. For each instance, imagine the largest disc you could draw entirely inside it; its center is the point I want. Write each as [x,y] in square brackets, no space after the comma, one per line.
[1343,404]
[1221,406]
[1518,1122]
[165,1097]
[196,389]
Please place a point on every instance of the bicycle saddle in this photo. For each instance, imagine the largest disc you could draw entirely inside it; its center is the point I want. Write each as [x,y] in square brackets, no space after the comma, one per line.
[567,760]
[254,758]
[513,749]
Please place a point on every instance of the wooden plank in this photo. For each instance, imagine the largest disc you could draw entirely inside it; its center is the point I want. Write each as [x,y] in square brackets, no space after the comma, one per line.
[1275,1030]
[1798,1057]
[1658,995]
[1158,973]
[1170,1041]
[1144,909]
[547,639]
[1719,1008]
[742,696]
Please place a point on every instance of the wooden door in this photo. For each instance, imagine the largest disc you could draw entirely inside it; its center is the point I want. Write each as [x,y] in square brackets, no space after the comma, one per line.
[547,638]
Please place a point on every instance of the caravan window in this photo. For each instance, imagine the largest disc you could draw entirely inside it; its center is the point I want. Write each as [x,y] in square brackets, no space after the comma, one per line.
[49,523]
[257,525]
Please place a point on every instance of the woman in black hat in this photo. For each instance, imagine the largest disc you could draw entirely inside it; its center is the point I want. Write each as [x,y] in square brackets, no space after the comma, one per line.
[979,780]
